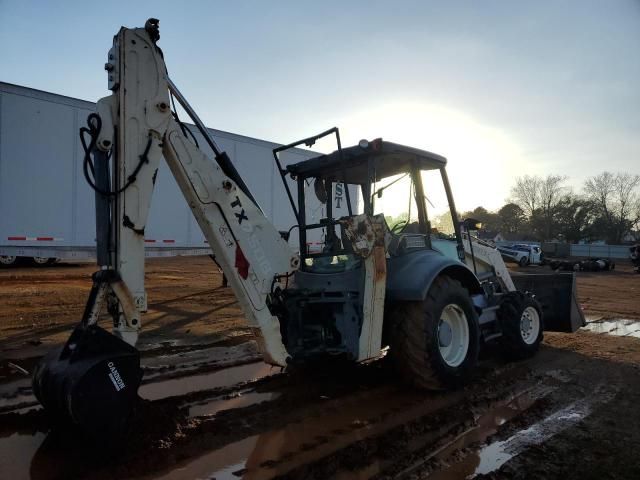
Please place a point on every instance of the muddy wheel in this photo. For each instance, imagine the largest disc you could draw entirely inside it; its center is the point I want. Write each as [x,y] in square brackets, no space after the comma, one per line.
[8,260]
[520,318]
[435,343]
[523,262]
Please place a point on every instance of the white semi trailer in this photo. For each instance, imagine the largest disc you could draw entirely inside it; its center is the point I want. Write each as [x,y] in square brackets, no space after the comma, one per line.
[47,207]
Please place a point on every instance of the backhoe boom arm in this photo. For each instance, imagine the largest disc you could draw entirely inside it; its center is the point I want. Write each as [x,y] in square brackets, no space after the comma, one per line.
[138,128]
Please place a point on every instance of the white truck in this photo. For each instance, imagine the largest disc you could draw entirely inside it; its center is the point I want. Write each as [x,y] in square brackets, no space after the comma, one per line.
[54,218]
[522,253]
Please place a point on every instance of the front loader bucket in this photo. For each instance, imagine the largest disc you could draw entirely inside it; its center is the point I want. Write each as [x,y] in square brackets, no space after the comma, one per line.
[92,381]
[556,292]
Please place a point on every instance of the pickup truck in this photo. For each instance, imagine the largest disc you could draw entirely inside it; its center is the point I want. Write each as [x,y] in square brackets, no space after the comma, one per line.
[521,253]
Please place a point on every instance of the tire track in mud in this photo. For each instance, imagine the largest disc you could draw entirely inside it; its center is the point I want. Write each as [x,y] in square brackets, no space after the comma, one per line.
[303,428]
[354,422]
[163,427]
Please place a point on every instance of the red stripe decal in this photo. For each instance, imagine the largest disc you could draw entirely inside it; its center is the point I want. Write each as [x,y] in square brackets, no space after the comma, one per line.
[149,241]
[168,241]
[242,264]
[16,238]
[44,239]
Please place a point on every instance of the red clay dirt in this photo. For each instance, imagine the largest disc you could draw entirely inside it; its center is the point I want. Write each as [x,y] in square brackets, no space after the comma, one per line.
[211,409]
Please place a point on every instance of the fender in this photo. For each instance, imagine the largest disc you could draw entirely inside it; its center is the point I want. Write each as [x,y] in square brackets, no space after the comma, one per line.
[410,276]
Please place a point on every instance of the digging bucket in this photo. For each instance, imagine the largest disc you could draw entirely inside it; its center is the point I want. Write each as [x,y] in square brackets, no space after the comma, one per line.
[556,292]
[92,380]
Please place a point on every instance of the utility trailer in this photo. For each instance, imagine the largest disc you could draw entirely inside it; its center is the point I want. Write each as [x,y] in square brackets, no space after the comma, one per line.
[47,208]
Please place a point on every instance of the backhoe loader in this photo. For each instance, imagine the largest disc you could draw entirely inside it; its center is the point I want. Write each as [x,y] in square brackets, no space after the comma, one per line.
[434,297]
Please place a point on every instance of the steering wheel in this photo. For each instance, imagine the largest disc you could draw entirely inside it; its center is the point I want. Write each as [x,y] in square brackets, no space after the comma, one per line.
[398,227]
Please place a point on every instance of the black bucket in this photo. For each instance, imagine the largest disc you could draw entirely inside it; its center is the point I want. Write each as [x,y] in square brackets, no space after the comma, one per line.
[556,292]
[92,380]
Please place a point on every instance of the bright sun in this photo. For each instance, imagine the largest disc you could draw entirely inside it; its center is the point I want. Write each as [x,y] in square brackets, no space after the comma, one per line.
[482,161]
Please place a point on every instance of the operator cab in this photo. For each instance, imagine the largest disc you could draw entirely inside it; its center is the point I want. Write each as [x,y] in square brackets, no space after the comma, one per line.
[389,187]
[407,186]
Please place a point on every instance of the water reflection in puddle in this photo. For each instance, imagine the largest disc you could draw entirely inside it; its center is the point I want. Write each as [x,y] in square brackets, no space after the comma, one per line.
[619,327]
[16,453]
[277,451]
[488,425]
[491,457]
[221,378]
[245,399]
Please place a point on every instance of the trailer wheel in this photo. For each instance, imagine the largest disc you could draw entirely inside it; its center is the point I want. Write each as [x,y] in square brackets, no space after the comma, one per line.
[42,261]
[8,260]
[520,318]
[435,343]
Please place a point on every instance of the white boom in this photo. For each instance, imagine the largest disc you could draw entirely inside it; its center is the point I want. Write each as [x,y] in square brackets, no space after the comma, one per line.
[137,119]
[487,259]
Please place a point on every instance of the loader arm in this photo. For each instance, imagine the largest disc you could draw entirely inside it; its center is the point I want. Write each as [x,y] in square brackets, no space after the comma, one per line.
[556,292]
[486,259]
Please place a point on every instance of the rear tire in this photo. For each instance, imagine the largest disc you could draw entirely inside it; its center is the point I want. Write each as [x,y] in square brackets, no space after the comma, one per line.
[520,318]
[435,343]
[523,262]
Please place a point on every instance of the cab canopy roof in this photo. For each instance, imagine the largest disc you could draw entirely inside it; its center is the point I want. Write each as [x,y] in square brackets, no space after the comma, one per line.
[352,167]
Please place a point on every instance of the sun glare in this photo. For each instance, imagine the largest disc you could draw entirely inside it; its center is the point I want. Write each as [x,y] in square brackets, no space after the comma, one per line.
[482,161]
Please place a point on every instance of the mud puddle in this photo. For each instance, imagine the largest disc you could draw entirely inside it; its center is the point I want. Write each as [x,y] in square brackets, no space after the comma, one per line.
[16,394]
[220,378]
[230,365]
[490,457]
[621,327]
[16,452]
[184,361]
[485,425]
[333,426]
[240,400]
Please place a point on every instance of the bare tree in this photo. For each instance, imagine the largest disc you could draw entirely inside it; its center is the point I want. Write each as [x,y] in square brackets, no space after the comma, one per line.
[526,193]
[627,196]
[539,197]
[552,191]
[599,189]
[618,199]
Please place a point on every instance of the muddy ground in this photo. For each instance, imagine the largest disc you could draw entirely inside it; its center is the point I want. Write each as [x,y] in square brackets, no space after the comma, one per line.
[211,409]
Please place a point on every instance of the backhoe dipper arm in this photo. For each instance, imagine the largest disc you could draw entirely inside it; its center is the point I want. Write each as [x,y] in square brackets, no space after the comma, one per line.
[138,128]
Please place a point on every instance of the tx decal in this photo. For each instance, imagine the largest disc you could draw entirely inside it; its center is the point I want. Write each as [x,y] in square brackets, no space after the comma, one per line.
[240,216]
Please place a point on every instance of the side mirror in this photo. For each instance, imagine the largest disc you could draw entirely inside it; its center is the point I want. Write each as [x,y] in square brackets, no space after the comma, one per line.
[471,224]
[284,234]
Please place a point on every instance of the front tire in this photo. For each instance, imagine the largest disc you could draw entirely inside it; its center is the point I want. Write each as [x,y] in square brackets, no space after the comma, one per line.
[523,262]
[520,318]
[435,343]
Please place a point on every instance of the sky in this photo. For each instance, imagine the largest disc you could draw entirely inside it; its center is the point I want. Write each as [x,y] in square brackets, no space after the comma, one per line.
[500,88]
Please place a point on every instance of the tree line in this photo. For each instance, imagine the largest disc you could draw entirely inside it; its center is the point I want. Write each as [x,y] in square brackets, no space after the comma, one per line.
[607,207]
